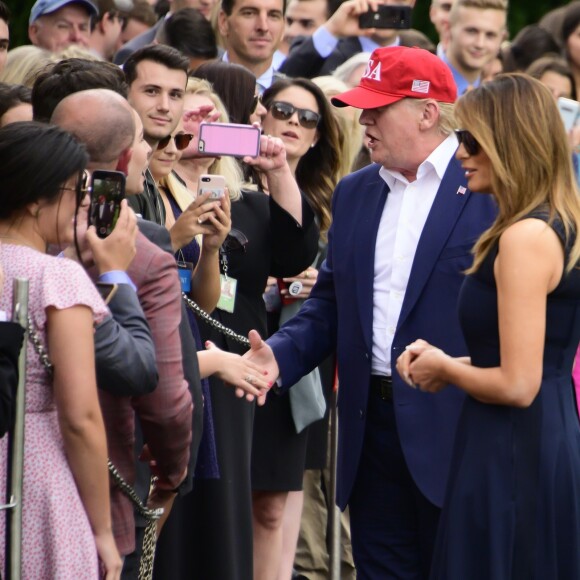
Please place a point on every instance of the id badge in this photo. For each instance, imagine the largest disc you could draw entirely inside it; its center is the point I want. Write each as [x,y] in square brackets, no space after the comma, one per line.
[185,271]
[227,299]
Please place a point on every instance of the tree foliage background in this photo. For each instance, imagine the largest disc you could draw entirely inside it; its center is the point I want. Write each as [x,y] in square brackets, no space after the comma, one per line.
[521,13]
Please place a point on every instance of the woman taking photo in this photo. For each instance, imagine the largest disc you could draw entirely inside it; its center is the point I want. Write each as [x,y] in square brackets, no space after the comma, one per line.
[272,235]
[511,509]
[66,511]
[299,114]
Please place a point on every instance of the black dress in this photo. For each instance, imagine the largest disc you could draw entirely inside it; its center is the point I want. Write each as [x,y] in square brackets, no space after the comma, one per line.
[218,533]
[512,506]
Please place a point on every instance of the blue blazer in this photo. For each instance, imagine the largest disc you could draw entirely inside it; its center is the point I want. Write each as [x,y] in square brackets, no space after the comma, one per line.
[339,316]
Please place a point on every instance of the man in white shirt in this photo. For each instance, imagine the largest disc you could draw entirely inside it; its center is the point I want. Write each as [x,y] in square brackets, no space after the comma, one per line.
[252,31]
[401,238]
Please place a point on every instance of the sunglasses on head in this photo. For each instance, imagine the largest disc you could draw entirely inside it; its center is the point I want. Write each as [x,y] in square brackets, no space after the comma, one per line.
[468,141]
[284,111]
[182,140]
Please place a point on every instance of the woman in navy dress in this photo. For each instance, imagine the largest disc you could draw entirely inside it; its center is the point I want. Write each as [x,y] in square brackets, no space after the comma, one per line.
[512,508]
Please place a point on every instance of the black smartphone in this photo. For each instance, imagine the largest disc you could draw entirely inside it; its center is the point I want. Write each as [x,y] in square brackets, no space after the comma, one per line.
[107,192]
[387,16]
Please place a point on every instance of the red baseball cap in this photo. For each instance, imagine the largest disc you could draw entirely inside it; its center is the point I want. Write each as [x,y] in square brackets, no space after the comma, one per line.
[398,72]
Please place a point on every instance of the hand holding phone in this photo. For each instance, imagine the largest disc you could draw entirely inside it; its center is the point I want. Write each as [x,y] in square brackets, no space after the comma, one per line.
[217,139]
[107,192]
[387,17]
[569,111]
[116,251]
[214,185]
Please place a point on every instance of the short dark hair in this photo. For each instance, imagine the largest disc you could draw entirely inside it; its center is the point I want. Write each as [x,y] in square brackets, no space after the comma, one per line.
[13,95]
[190,32]
[69,76]
[37,159]
[234,84]
[4,12]
[530,43]
[228,6]
[159,53]
[143,12]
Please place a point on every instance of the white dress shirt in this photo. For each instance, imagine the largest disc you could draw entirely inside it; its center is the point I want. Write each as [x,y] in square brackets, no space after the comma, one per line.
[404,216]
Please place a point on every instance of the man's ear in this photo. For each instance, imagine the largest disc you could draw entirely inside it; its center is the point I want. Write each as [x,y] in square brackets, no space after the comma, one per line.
[33,33]
[124,159]
[223,23]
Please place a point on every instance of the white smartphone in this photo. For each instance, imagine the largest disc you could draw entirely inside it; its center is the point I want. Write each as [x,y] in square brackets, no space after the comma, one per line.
[215,185]
[569,110]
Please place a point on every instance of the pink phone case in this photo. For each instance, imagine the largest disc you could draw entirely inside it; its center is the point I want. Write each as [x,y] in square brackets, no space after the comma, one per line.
[229,139]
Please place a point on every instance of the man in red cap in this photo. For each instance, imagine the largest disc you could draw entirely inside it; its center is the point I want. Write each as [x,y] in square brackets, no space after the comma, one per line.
[401,238]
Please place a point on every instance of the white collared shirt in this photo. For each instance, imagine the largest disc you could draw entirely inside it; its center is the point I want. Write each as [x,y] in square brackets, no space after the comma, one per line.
[263,81]
[404,215]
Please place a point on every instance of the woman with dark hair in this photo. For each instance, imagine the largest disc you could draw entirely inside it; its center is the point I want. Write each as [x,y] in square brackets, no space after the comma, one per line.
[511,508]
[571,40]
[66,511]
[15,104]
[272,235]
[299,113]
[553,71]
[235,85]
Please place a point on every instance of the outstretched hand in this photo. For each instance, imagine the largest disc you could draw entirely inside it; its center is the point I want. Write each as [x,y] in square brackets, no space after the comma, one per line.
[248,377]
[261,354]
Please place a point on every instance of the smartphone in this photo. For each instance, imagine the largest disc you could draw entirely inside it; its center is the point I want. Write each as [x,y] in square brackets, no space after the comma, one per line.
[229,139]
[106,290]
[387,16]
[215,185]
[569,110]
[107,192]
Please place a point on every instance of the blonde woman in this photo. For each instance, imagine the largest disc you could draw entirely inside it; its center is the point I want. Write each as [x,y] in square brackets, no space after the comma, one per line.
[511,508]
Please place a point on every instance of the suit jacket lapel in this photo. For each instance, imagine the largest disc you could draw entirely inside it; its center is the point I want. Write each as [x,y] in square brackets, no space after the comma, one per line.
[366,238]
[447,207]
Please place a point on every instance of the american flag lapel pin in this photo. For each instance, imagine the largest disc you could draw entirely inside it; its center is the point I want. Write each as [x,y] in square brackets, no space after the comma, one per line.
[461,190]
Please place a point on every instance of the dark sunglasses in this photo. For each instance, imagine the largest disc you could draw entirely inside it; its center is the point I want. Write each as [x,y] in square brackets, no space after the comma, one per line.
[283,111]
[235,241]
[182,140]
[468,141]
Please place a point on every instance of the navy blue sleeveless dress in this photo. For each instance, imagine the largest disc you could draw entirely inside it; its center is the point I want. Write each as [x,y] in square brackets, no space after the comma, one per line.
[512,506]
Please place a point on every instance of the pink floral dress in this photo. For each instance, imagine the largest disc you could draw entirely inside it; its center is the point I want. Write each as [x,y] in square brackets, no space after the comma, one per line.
[57,539]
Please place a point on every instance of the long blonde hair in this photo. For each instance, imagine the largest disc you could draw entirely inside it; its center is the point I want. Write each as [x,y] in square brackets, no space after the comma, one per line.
[515,120]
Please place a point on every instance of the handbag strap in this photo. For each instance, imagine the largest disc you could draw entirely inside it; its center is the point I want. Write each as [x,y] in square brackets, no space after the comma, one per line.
[151,515]
[207,318]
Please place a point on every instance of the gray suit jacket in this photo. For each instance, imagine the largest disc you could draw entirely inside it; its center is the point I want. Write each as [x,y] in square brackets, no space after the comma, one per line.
[124,350]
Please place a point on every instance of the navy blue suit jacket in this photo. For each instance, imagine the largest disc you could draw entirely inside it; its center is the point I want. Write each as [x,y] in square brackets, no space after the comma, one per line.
[339,315]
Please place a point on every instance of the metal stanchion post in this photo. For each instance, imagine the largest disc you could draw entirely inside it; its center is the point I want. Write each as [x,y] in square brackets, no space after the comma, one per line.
[16,446]
[334,512]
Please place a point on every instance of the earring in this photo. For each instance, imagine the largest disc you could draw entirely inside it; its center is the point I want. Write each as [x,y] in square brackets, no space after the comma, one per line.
[312,145]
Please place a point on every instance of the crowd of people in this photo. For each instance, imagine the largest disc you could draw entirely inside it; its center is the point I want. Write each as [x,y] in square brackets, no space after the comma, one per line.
[201,343]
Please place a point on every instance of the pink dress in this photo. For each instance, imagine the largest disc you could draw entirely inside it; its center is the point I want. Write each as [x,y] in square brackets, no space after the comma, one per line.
[57,539]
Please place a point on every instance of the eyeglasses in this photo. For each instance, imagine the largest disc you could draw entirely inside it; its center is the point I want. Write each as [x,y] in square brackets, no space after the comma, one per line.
[468,141]
[235,241]
[82,187]
[181,140]
[284,111]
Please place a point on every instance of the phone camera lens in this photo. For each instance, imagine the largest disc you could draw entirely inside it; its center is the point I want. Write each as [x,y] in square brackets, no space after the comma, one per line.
[205,179]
